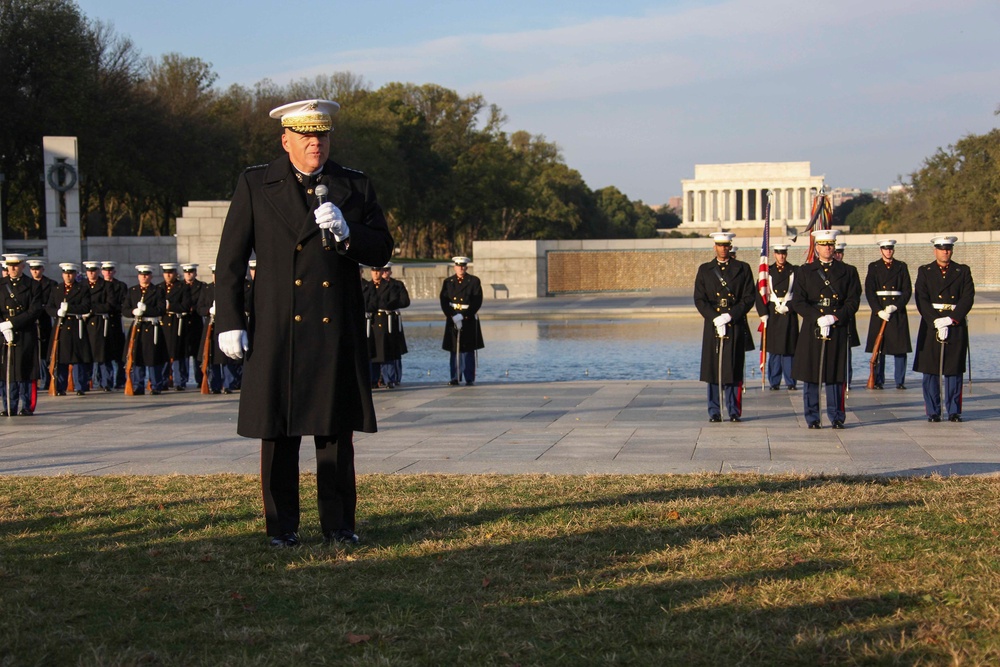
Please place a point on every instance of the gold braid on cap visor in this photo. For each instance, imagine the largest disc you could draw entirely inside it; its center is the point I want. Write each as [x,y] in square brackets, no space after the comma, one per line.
[317,122]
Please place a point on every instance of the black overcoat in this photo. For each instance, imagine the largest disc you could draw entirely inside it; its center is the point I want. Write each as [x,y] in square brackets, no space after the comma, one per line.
[712,299]
[178,303]
[20,304]
[98,328]
[194,325]
[467,292]
[307,370]
[782,329]
[892,278]
[832,289]
[206,299]
[117,294]
[45,286]
[149,347]
[953,287]
[74,347]
[386,340]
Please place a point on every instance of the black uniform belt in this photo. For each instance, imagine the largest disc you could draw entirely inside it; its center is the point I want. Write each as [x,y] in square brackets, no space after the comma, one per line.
[827,302]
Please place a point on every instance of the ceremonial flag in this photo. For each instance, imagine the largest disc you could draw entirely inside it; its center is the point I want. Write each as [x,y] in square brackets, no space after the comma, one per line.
[822,218]
[762,284]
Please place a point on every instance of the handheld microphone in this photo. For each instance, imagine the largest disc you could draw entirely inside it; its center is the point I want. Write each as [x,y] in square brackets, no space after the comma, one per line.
[321,192]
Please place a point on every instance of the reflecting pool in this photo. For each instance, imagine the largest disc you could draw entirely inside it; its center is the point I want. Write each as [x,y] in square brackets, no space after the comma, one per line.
[648,349]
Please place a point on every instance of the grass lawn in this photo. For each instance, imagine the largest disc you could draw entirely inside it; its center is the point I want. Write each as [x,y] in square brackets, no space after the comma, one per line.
[505,570]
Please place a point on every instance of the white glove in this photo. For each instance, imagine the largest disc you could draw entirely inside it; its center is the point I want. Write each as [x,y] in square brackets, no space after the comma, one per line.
[885,314]
[942,322]
[8,331]
[141,308]
[720,331]
[891,309]
[826,321]
[85,316]
[211,311]
[63,309]
[137,312]
[234,343]
[724,318]
[824,331]
[942,333]
[457,319]
[763,320]
[329,217]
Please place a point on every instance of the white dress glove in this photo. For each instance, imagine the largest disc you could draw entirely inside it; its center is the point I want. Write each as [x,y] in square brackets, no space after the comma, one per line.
[763,320]
[8,331]
[720,331]
[942,322]
[457,319]
[885,314]
[824,331]
[826,321]
[891,309]
[234,343]
[723,319]
[63,309]
[141,307]
[329,217]
[137,312]
[942,333]
[211,311]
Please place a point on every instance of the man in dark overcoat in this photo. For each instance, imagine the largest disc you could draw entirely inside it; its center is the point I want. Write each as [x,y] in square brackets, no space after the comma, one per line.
[68,303]
[146,354]
[384,297]
[96,327]
[306,368]
[222,371]
[855,340]
[779,319]
[193,324]
[112,372]
[45,285]
[944,292]
[461,298]
[19,307]
[178,303]
[888,289]
[827,294]
[724,293]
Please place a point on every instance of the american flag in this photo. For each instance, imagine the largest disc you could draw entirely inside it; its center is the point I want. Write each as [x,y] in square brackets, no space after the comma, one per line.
[762,285]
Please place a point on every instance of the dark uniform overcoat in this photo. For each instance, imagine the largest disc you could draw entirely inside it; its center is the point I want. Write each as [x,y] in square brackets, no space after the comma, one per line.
[98,326]
[782,329]
[386,340]
[178,303]
[735,294]
[307,370]
[194,326]
[206,299]
[892,278]
[952,287]
[149,345]
[117,294]
[20,304]
[830,289]
[45,286]
[466,297]
[74,347]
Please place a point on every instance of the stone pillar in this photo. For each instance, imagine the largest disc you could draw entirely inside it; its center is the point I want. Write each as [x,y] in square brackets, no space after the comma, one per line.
[62,199]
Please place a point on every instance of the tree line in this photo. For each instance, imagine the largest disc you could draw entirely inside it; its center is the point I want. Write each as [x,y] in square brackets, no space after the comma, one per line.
[155,133]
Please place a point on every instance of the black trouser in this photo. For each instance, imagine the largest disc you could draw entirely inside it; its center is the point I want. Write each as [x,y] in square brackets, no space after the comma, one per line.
[335,482]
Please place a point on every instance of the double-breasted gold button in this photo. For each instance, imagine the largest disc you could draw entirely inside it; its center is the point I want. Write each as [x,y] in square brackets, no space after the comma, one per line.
[326,283]
[298,282]
[298,247]
[298,318]
[326,320]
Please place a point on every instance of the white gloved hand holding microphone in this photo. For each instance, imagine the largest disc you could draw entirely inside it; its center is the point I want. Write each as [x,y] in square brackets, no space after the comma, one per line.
[329,217]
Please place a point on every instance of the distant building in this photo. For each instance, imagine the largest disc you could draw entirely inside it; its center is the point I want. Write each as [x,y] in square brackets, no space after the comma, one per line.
[734,196]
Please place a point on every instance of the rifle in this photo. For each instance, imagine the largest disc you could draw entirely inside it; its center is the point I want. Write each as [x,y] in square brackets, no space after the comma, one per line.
[206,353]
[54,361]
[876,350]
[129,389]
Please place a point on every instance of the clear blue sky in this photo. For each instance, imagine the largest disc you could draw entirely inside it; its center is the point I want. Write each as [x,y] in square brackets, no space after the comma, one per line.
[637,92]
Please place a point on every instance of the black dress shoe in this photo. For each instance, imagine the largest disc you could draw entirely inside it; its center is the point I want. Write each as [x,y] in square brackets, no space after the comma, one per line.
[900,386]
[715,419]
[792,388]
[107,390]
[775,388]
[286,540]
[3,413]
[81,392]
[453,383]
[60,393]
[934,418]
[838,424]
[469,384]
[227,391]
[955,418]
[179,388]
[25,412]
[878,386]
[155,392]
[342,536]
[734,418]
[814,425]
[216,391]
